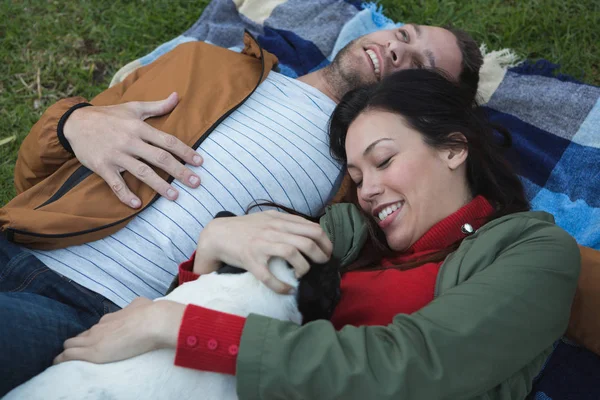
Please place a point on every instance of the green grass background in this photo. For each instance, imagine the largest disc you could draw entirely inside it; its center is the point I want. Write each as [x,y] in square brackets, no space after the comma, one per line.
[54,49]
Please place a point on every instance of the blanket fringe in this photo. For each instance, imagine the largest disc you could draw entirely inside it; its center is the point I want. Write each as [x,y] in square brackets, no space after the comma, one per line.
[495,65]
[378,16]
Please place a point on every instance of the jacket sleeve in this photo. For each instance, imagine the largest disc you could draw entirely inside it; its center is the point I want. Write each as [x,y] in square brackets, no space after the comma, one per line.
[185,274]
[45,149]
[42,152]
[485,338]
[209,340]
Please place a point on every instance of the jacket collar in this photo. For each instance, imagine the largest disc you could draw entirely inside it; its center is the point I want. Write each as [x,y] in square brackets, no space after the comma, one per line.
[452,229]
[252,48]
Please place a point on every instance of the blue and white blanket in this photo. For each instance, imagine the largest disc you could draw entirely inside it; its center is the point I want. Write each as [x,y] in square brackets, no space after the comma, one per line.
[555,120]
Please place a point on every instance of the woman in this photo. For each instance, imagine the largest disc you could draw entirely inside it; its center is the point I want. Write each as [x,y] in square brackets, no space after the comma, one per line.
[460,292]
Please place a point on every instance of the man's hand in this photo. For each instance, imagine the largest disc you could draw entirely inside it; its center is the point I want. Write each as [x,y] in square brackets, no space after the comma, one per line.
[111,139]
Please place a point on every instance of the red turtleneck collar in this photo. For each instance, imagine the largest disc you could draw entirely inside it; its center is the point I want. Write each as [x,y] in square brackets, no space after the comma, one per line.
[446,232]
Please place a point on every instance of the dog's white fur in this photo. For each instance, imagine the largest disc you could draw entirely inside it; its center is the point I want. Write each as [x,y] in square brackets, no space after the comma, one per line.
[153,375]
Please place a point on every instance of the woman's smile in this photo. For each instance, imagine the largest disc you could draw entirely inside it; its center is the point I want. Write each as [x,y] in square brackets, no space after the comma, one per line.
[389,214]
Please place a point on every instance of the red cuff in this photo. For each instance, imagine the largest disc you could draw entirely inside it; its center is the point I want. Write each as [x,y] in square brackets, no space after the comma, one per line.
[185,270]
[209,340]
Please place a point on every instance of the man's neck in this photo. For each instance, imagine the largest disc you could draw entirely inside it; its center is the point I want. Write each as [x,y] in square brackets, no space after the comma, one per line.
[318,80]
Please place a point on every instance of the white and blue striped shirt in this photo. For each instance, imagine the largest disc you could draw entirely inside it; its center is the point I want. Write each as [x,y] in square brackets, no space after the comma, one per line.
[273,147]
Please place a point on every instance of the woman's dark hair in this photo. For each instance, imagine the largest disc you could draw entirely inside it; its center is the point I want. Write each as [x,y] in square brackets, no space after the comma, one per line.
[438,108]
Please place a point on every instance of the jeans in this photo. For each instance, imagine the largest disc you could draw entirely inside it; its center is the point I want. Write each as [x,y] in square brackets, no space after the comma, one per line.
[39,310]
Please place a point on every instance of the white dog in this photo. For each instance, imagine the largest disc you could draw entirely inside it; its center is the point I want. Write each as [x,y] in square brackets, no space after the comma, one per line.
[154,376]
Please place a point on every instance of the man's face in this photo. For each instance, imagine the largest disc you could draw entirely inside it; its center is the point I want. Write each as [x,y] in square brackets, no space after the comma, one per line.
[371,57]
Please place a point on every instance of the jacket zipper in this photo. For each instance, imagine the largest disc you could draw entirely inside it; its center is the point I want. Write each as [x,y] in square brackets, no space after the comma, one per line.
[70,183]
[76,177]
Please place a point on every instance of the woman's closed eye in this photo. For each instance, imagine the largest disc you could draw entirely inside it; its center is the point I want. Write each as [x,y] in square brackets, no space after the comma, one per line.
[379,165]
[357,180]
[384,163]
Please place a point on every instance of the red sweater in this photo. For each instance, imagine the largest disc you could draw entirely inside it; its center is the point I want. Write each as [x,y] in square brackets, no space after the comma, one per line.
[208,340]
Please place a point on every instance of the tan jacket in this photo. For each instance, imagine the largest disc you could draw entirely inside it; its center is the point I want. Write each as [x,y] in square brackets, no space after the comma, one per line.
[54,206]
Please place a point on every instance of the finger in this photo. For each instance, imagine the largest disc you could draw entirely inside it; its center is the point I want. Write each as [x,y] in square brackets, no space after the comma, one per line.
[85,333]
[312,231]
[307,246]
[59,358]
[288,217]
[263,274]
[292,256]
[165,161]
[119,188]
[147,109]
[76,353]
[171,144]
[78,341]
[147,175]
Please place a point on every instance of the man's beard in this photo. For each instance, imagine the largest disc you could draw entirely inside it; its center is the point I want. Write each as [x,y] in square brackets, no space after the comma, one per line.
[342,74]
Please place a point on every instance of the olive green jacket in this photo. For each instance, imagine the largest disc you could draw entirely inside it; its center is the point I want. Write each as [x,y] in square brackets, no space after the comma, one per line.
[501,300]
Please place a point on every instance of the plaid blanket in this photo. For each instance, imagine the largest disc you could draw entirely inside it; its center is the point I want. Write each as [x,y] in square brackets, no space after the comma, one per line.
[555,122]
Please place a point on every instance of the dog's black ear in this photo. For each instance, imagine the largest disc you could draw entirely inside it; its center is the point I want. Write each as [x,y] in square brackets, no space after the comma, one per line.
[319,291]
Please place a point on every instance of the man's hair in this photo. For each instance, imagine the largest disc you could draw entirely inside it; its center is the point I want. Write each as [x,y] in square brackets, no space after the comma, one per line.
[472,60]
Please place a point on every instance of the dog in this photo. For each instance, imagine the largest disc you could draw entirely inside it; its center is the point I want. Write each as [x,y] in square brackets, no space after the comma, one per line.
[153,375]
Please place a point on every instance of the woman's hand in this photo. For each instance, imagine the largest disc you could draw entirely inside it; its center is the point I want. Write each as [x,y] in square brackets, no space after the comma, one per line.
[142,326]
[249,242]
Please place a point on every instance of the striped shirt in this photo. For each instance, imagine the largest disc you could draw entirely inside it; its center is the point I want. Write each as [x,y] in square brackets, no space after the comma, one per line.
[273,147]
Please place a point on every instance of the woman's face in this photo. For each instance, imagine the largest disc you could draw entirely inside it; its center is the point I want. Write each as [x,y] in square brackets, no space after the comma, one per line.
[406,185]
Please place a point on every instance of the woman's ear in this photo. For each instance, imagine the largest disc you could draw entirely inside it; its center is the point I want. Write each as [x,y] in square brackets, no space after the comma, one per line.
[456,155]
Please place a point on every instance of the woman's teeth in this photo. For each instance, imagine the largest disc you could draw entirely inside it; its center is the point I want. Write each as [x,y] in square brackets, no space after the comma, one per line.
[383,214]
[373,56]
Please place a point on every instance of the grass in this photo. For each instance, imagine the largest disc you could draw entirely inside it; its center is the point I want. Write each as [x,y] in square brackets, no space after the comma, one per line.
[55,49]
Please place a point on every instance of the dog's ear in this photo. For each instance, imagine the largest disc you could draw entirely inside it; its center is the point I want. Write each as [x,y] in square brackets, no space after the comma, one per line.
[222,214]
[319,291]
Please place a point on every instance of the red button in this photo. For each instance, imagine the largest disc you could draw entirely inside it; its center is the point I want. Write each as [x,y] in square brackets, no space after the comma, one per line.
[212,344]
[233,350]
[191,341]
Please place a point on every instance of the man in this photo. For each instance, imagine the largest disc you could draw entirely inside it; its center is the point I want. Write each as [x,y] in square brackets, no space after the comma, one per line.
[412,46]
[263,136]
